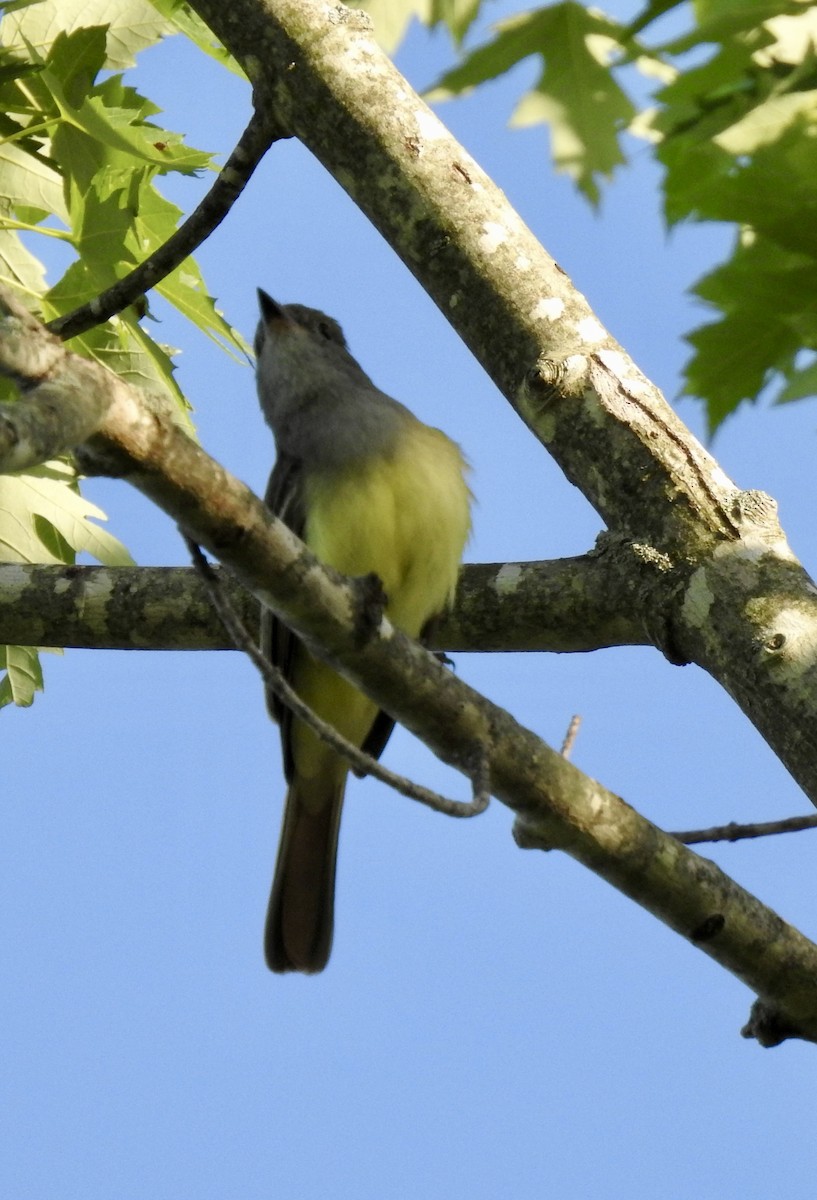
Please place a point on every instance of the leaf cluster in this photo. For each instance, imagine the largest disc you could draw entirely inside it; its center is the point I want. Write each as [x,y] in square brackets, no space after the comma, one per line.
[733,119]
[80,154]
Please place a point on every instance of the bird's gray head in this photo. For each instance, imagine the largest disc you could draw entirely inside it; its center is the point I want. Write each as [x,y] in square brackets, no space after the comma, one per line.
[316,398]
[302,360]
[281,320]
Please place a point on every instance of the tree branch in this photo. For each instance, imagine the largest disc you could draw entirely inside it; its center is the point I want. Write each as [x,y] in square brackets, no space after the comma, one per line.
[562,606]
[207,216]
[52,419]
[735,832]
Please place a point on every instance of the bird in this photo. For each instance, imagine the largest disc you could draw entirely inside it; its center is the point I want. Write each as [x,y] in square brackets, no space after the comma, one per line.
[369,488]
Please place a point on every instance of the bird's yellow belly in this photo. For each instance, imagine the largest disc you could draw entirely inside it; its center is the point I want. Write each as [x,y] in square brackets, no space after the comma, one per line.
[405,517]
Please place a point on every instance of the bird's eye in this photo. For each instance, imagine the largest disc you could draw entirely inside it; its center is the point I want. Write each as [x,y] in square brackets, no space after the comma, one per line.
[325,330]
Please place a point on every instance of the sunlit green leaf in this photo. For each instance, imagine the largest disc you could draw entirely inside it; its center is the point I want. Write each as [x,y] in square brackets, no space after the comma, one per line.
[191,25]
[47,496]
[19,269]
[391,18]
[23,675]
[29,183]
[801,385]
[719,21]
[769,313]
[576,94]
[457,15]
[767,122]
[131,26]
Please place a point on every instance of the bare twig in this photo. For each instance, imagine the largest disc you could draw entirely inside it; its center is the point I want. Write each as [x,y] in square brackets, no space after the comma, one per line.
[570,736]
[361,762]
[733,832]
[207,216]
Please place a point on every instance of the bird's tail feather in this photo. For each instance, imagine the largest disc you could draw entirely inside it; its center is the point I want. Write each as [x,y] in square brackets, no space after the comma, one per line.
[300,917]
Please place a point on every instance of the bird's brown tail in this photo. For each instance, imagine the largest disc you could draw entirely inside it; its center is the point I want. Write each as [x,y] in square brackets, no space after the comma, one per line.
[300,917]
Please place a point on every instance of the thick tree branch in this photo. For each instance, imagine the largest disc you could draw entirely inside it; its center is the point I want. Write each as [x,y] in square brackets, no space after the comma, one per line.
[52,419]
[569,604]
[727,592]
[556,804]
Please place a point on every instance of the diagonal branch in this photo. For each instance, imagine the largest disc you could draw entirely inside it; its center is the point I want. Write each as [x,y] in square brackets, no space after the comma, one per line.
[207,216]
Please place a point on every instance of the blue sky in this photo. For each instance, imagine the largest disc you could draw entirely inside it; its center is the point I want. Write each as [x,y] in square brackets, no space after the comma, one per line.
[492,1022]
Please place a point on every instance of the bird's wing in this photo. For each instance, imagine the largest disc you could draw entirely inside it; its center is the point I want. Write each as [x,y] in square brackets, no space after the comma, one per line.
[284,497]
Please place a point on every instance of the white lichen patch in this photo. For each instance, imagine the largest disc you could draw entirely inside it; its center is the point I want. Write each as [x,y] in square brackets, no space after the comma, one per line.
[492,237]
[615,361]
[720,479]
[522,262]
[591,331]
[609,820]
[429,127]
[754,546]
[507,578]
[698,600]
[549,308]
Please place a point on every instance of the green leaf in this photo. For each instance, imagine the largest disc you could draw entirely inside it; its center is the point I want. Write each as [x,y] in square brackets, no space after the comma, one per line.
[771,191]
[720,21]
[23,676]
[705,99]
[121,220]
[576,94]
[457,15]
[76,59]
[802,384]
[191,25]
[27,182]
[120,345]
[767,122]
[695,172]
[43,518]
[19,269]
[10,6]
[122,129]
[391,18]
[767,298]
[185,289]
[130,25]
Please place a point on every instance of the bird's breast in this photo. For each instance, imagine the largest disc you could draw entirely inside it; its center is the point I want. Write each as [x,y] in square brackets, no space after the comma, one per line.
[404,515]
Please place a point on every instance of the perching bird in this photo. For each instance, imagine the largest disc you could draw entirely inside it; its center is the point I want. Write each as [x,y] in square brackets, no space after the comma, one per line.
[369,488]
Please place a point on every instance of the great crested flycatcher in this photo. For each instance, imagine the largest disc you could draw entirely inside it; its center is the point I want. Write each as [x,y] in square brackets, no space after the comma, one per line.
[369,488]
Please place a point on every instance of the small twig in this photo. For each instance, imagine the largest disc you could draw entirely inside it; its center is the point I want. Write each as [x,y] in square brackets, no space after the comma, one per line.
[570,736]
[229,184]
[733,832]
[480,783]
[361,762]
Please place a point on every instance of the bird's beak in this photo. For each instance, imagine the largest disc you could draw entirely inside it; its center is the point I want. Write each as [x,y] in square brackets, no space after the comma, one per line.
[270,309]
